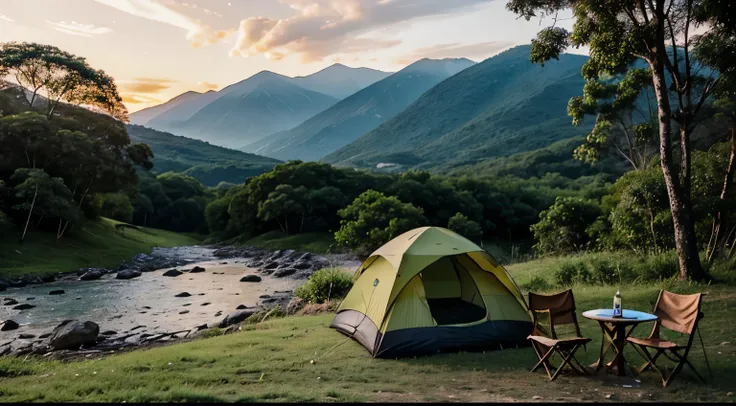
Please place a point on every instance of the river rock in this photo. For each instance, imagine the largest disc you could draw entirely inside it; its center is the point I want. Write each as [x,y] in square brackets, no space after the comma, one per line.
[197,269]
[24,306]
[173,273]
[241,307]
[183,294]
[9,325]
[251,278]
[254,264]
[184,312]
[301,265]
[10,302]
[57,292]
[91,275]
[72,334]
[206,304]
[30,298]
[271,265]
[26,336]
[235,317]
[280,273]
[128,274]
[264,296]
[45,335]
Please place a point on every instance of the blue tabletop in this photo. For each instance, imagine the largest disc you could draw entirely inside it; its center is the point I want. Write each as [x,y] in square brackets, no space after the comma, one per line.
[626,315]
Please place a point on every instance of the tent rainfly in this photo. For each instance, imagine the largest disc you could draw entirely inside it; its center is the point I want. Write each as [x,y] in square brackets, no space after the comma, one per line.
[431,290]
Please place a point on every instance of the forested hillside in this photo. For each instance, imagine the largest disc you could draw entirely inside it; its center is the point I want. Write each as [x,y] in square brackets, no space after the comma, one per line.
[207,163]
[498,107]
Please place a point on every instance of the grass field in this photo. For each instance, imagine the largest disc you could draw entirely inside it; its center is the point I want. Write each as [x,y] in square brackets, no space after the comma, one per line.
[95,244]
[271,362]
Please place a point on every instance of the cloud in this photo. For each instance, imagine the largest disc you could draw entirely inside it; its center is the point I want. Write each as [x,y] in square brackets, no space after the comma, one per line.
[146,85]
[478,51]
[139,99]
[3,17]
[82,30]
[197,33]
[322,28]
[208,86]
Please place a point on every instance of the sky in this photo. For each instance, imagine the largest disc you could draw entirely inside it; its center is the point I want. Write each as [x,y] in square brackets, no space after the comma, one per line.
[158,49]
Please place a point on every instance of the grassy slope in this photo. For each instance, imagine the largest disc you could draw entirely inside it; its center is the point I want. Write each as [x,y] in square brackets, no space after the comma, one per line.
[96,244]
[271,362]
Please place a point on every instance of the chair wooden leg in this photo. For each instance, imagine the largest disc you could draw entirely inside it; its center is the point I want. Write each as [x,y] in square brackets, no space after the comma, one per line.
[575,364]
[565,360]
[650,361]
[543,360]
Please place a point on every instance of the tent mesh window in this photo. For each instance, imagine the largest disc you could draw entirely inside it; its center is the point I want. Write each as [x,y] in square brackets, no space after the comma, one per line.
[453,297]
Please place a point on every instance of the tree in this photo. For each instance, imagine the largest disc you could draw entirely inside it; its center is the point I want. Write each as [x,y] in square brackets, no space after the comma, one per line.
[40,194]
[623,124]
[659,32]
[284,202]
[466,227]
[61,76]
[563,228]
[373,219]
[117,206]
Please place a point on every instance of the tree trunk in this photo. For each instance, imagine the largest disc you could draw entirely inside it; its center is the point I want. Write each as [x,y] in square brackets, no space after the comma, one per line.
[33,203]
[685,240]
[718,220]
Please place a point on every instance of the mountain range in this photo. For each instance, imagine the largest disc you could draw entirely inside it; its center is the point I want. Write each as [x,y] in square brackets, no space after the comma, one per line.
[498,107]
[358,114]
[256,107]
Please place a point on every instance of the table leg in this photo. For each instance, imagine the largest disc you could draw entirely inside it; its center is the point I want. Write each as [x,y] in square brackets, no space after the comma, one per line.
[605,346]
[614,338]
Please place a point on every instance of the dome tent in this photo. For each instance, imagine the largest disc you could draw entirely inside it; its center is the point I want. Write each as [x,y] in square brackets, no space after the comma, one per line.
[431,290]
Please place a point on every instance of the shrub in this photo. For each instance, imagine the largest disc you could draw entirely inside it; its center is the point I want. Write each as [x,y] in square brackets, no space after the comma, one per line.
[537,284]
[325,284]
[608,273]
[659,267]
[563,227]
[571,273]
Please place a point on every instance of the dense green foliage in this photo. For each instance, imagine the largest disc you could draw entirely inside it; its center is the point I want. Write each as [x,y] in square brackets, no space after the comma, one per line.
[205,162]
[686,70]
[373,219]
[53,168]
[324,285]
[563,228]
[464,226]
[483,111]
[298,197]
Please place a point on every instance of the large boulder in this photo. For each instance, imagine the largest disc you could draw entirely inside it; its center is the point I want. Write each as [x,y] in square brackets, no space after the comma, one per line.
[236,317]
[301,265]
[72,334]
[127,274]
[271,265]
[251,278]
[173,273]
[9,325]
[92,275]
[197,269]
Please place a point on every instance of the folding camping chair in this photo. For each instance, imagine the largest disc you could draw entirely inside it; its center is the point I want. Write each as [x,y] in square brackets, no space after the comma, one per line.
[679,313]
[560,309]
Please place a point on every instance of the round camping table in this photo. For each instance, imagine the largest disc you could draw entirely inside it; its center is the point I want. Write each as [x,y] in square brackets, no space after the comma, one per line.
[615,334]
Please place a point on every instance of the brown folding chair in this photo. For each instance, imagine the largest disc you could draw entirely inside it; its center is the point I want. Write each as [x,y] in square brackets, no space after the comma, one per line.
[560,310]
[678,313]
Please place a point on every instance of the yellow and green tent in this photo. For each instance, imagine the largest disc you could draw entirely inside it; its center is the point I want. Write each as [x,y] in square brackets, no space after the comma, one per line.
[431,290]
